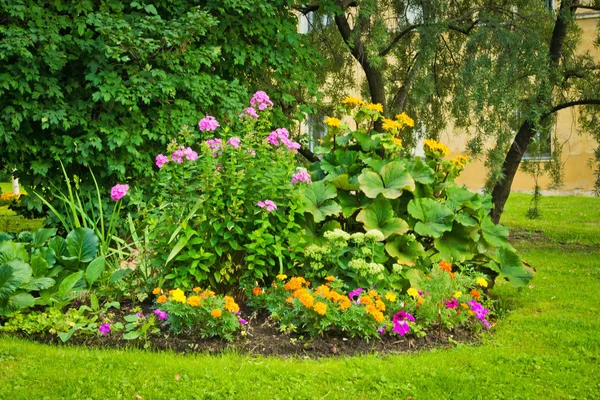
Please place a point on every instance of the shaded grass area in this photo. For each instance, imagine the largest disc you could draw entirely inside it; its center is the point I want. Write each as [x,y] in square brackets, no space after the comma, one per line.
[547,347]
[11,222]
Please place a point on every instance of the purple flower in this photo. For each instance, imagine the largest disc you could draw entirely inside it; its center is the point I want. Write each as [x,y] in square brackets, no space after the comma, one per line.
[208,123]
[249,112]
[301,176]
[235,142]
[243,321]
[269,205]
[104,329]
[381,330]
[452,303]
[261,99]
[160,314]
[161,160]
[480,312]
[282,135]
[273,138]
[401,325]
[118,191]
[177,156]
[139,315]
[355,293]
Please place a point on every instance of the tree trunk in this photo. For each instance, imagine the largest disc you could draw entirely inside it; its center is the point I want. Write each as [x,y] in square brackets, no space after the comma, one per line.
[510,166]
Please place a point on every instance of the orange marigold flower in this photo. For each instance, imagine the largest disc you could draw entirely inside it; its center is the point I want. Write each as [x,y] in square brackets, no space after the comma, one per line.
[373,293]
[256,291]
[196,289]
[161,299]
[464,305]
[156,290]
[193,301]
[295,283]
[380,305]
[366,300]
[216,313]
[320,308]
[207,293]
[378,315]
[420,300]
[345,303]
[452,275]
[445,266]
[307,300]
[231,305]
[475,294]
[427,278]
[330,278]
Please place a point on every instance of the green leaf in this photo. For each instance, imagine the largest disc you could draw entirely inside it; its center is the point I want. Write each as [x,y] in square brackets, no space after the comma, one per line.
[94,302]
[352,202]
[342,182]
[39,266]
[405,249]
[434,218]
[512,268]
[465,219]
[131,318]
[17,302]
[59,246]
[422,172]
[65,336]
[94,270]
[495,235]
[8,282]
[41,236]
[317,200]
[132,335]
[38,284]
[455,245]
[119,274]
[181,243]
[391,181]
[67,284]
[21,270]
[10,250]
[150,9]
[82,243]
[380,215]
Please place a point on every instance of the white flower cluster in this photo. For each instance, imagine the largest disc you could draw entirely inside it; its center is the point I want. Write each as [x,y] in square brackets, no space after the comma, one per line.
[315,254]
[397,268]
[374,235]
[364,268]
[337,237]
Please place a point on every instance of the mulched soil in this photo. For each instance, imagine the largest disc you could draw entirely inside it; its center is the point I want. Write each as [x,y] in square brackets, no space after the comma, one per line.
[262,337]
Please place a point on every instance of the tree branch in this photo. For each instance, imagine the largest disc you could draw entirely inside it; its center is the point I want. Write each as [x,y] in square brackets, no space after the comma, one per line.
[399,36]
[562,106]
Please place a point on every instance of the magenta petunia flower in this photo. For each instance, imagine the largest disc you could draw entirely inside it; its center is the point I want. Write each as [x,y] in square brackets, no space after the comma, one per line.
[104,329]
[208,123]
[161,160]
[480,312]
[268,205]
[243,321]
[235,142]
[401,325]
[301,176]
[118,191]
[355,293]
[160,314]
[452,303]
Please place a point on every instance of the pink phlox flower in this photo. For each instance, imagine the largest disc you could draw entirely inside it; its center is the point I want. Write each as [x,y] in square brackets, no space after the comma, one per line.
[452,303]
[400,321]
[161,160]
[261,99]
[355,293]
[118,191]
[215,144]
[273,138]
[208,123]
[480,312]
[190,154]
[235,142]
[301,176]
[268,205]
[249,112]
[160,314]
[251,152]
[104,329]
[177,156]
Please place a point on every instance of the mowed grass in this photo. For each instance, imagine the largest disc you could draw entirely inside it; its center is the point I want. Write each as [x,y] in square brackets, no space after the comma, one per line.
[547,347]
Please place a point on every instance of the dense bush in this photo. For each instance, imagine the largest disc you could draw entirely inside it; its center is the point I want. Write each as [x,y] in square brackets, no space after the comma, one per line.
[106,84]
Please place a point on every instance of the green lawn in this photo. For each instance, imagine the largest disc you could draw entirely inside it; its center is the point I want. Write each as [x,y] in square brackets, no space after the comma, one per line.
[11,222]
[548,347]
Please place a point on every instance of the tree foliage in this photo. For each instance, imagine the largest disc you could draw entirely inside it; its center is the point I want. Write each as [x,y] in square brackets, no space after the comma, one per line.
[106,84]
[501,69]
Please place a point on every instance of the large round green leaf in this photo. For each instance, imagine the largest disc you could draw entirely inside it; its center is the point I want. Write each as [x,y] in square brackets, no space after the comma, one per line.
[352,202]
[380,215]
[512,268]
[405,249]
[455,245]
[82,243]
[8,281]
[317,200]
[41,236]
[343,182]
[16,302]
[10,250]
[422,172]
[391,181]
[434,218]
[495,234]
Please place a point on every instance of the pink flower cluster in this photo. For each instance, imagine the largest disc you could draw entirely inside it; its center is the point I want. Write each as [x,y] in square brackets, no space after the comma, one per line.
[208,123]
[400,320]
[480,312]
[215,144]
[235,142]
[182,152]
[249,112]
[301,176]
[260,100]
[282,135]
[118,191]
[268,205]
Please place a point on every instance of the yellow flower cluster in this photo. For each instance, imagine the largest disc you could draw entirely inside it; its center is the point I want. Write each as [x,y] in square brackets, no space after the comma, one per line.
[320,308]
[8,196]
[412,292]
[435,146]
[231,305]
[405,120]
[390,124]
[374,107]
[460,161]
[334,122]
[281,277]
[481,282]
[177,295]
[295,283]
[397,142]
[390,297]
[194,301]
[353,101]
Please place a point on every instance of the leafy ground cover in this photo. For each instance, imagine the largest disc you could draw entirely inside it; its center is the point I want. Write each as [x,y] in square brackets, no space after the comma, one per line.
[546,347]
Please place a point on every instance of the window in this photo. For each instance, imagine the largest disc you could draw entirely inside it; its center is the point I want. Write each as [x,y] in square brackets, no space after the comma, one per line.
[540,148]
[315,129]
[312,21]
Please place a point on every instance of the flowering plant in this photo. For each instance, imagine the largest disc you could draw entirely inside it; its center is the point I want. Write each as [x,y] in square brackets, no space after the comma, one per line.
[200,311]
[226,202]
